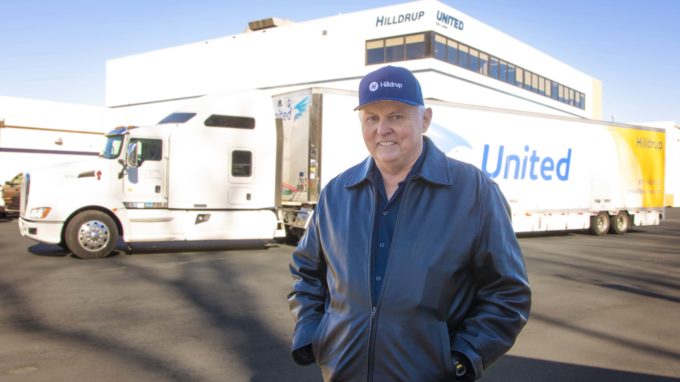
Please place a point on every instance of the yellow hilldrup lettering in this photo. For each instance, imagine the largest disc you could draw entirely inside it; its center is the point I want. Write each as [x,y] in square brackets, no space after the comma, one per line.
[648,148]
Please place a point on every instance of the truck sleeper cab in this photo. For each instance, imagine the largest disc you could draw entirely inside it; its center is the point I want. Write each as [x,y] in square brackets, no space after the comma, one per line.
[205,172]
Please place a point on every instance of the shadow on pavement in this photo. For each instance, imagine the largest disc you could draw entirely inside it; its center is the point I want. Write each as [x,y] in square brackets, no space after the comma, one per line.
[520,369]
[190,246]
[52,250]
[236,323]
[48,250]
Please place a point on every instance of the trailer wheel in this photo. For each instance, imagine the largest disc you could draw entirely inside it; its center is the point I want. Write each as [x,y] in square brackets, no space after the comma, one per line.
[91,235]
[599,224]
[620,223]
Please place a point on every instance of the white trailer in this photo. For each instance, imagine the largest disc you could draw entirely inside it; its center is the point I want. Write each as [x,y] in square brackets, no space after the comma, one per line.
[221,168]
[558,173]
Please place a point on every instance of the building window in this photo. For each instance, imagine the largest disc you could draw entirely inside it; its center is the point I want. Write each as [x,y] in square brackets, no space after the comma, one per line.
[503,71]
[474,60]
[519,77]
[452,52]
[375,52]
[511,74]
[415,46]
[483,63]
[493,67]
[527,80]
[440,47]
[463,56]
[534,82]
[431,44]
[394,49]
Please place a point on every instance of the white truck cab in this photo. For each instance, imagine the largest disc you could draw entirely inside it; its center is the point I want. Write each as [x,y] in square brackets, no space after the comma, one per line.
[206,172]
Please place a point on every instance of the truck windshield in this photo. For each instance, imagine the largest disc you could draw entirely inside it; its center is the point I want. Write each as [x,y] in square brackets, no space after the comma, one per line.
[113,145]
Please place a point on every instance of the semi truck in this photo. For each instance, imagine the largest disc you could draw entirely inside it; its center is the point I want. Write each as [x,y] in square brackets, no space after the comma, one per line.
[232,167]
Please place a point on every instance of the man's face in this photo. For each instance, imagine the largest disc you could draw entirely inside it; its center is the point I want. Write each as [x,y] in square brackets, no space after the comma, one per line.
[393,133]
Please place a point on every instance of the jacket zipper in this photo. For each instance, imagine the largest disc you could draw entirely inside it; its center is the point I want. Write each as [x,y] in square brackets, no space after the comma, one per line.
[371,329]
[374,309]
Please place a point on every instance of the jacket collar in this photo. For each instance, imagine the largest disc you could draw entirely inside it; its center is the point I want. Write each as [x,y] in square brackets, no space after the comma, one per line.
[434,169]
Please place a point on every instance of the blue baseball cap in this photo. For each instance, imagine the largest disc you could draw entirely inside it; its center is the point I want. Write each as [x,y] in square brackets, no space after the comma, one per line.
[390,83]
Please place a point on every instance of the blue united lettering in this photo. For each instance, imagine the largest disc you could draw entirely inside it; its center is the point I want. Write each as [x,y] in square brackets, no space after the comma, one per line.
[527,165]
[398,19]
[449,20]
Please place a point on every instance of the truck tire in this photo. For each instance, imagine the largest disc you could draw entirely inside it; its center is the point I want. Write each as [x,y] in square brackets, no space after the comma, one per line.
[620,223]
[599,224]
[91,235]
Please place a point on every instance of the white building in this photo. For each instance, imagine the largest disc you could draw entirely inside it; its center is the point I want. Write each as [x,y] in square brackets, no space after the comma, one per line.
[456,57]
[35,133]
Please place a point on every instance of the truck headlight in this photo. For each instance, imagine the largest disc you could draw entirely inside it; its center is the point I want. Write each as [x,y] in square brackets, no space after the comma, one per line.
[39,213]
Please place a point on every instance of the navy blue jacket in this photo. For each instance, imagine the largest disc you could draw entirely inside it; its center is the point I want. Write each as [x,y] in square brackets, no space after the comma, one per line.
[455,278]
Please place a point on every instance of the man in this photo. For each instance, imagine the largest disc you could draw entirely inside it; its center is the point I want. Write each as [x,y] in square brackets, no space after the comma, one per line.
[410,269]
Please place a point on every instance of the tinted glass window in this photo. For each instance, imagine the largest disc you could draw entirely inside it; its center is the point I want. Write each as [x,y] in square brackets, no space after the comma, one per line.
[150,149]
[519,77]
[483,63]
[217,120]
[452,52]
[375,52]
[415,46]
[431,44]
[503,71]
[177,118]
[474,60]
[113,146]
[493,67]
[440,47]
[394,49]
[511,74]
[241,163]
[463,56]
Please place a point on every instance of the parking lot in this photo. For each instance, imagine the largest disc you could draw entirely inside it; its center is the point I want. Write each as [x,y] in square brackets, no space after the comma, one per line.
[605,309]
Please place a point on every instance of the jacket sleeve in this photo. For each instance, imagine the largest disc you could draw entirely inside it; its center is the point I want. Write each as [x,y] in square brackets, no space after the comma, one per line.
[307,299]
[503,299]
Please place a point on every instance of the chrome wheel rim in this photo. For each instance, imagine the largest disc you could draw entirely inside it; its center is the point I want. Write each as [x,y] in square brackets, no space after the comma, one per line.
[93,235]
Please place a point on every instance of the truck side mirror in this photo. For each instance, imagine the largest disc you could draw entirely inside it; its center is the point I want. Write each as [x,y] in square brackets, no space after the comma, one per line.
[134,155]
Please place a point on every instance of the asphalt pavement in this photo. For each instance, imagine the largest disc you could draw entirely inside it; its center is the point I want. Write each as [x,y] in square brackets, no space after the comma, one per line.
[605,309]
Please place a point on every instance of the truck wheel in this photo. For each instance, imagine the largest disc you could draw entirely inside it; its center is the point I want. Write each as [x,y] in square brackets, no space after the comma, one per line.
[599,224]
[620,223]
[91,235]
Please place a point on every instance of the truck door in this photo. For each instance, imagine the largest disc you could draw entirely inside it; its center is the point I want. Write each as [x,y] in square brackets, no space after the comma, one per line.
[144,185]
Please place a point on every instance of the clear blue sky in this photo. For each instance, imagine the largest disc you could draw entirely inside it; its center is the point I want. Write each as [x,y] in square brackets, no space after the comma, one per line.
[57,49]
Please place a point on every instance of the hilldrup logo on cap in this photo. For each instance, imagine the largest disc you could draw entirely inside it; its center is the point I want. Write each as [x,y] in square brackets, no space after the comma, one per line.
[373,86]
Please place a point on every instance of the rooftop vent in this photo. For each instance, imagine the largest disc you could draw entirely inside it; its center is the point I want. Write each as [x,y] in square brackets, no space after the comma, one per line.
[267,23]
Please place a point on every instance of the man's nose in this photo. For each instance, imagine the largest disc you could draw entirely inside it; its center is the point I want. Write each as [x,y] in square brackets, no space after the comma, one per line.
[384,127]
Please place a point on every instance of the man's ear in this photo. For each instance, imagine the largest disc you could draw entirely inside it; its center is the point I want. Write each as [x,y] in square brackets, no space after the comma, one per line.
[427,118]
